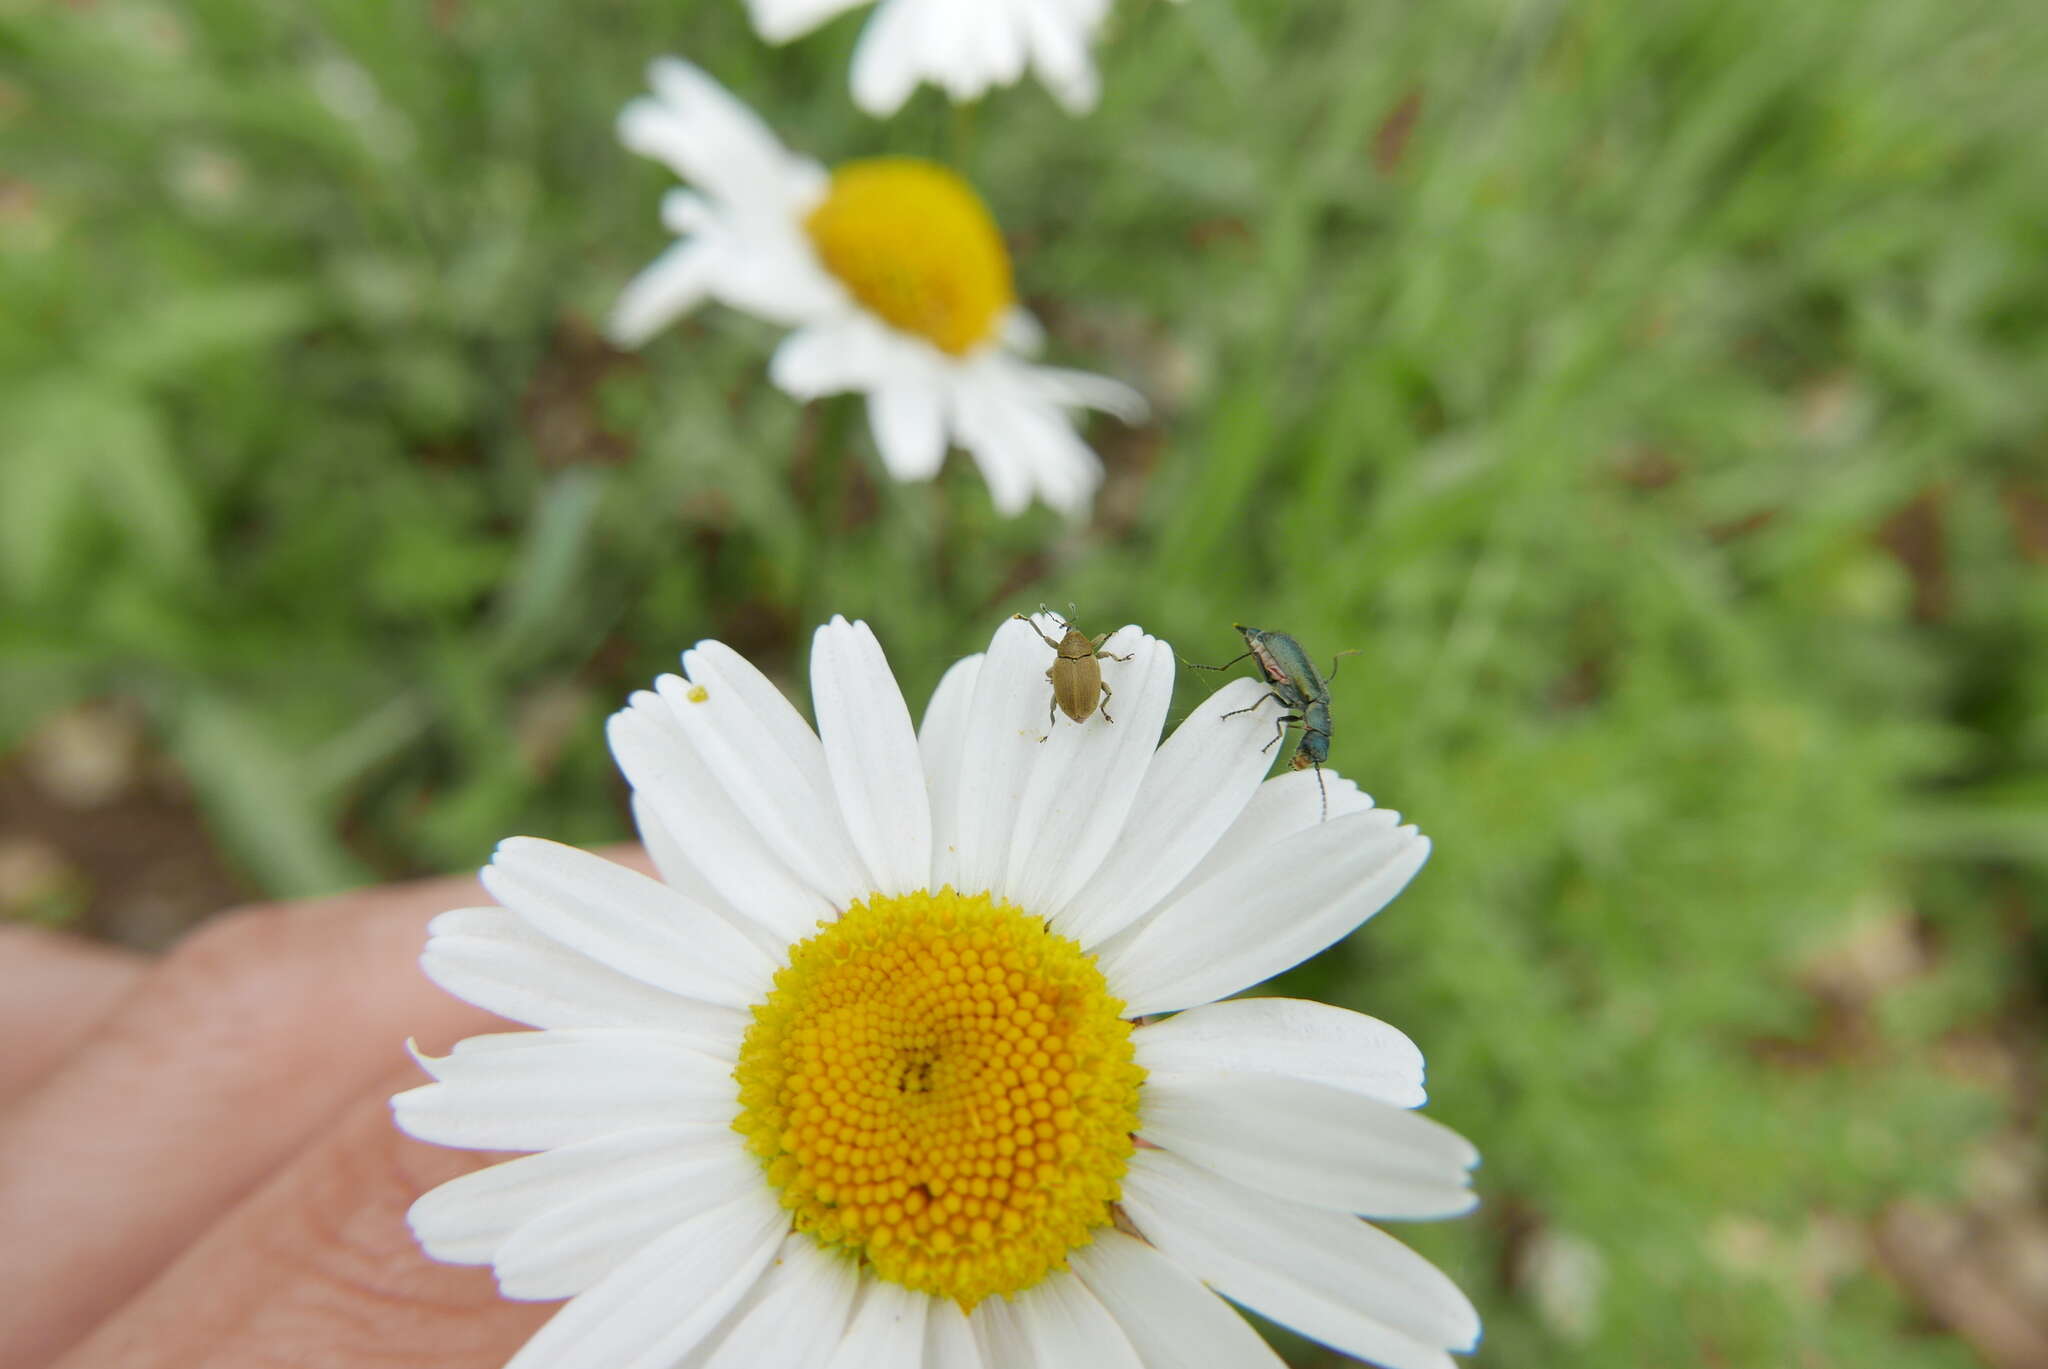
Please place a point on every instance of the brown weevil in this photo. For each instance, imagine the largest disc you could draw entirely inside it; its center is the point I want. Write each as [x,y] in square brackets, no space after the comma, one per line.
[1077,684]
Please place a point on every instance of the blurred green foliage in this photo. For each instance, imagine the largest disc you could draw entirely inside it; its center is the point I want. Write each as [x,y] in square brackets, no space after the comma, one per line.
[1658,395]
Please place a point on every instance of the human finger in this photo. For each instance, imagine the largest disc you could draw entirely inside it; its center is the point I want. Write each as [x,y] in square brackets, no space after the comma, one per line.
[53,989]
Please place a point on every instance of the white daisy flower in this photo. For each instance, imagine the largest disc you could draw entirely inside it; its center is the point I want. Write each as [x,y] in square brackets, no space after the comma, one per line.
[874,1075]
[893,279]
[963,48]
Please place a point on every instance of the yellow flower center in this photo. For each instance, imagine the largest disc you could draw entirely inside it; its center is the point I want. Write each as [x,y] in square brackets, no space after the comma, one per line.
[915,244]
[944,1088]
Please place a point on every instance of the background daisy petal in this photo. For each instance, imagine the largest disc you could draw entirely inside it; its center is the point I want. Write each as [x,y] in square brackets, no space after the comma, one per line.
[1262,915]
[492,958]
[887,1330]
[626,921]
[537,1090]
[794,1316]
[871,753]
[1291,1037]
[680,872]
[1194,788]
[465,1220]
[614,1214]
[758,891]
[1081,788]
[1169,1318]
[1311,1143]
[941,744]
[885,60]
[909,425]
[778,21]
[1324,1274]
[653,1309]
[669,287]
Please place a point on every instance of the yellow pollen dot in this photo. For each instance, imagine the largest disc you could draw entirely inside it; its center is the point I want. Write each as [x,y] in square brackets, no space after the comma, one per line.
[907,1127]
[698,694]
[914,243]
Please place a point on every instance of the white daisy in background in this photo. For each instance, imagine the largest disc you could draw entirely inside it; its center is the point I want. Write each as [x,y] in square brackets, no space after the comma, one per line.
[871,1077]
[962,47]
[893,279]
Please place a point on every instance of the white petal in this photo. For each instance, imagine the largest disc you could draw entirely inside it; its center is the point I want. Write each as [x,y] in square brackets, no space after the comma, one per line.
[829,357]
[759,891]
[887,1331]
[999,750]
[796,1313]
[949,1340]
[491,957]
[707,137]
[1087,775]
[909,423]
[674,284]
[652,1310]
[678,871]
[1291,1037]
[1085,390]
[1066,1325]
[1059,53]
[569,1247]
[871,753]
[1023,444]
[464,1220]
[785,791]
[1168,1317]
[942,743]
[778,21]
[1249,922]
[1326,1275]
[885,61]
[622,919]
[1292,801]
[1001,1336]
[1311,1143]
[536,1090]
[1194,788]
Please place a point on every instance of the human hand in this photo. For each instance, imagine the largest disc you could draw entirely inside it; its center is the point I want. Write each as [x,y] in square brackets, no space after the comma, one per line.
[197,1162]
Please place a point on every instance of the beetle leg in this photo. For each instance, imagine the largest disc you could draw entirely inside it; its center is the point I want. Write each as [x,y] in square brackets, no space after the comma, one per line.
[1338,660]
[1194,665]
[1250,706]
[1107,695]
[1280,727]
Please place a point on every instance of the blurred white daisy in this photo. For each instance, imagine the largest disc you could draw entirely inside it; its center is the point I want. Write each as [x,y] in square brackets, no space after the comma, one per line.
[962,47]
[893,279]
[869,1078]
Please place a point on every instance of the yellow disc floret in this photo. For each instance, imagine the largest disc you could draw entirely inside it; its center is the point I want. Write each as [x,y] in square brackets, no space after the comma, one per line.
[914,243]
[942,1087]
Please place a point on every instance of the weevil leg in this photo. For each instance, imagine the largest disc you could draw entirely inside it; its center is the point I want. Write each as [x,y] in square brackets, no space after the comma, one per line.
[1039,630]
[1107,695]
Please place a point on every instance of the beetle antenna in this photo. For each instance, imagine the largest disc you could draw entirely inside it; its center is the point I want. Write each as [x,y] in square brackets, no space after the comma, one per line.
[1322,791]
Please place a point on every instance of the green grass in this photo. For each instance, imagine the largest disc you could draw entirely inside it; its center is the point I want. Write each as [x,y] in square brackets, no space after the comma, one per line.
[1589,414]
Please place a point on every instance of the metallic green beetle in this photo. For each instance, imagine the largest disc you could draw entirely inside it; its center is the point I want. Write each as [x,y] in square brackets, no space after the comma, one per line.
[1299,688]
[1077,683]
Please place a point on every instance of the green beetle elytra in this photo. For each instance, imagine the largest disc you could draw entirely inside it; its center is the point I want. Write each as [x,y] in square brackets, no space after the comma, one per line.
[1078,688]
[1299,688]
